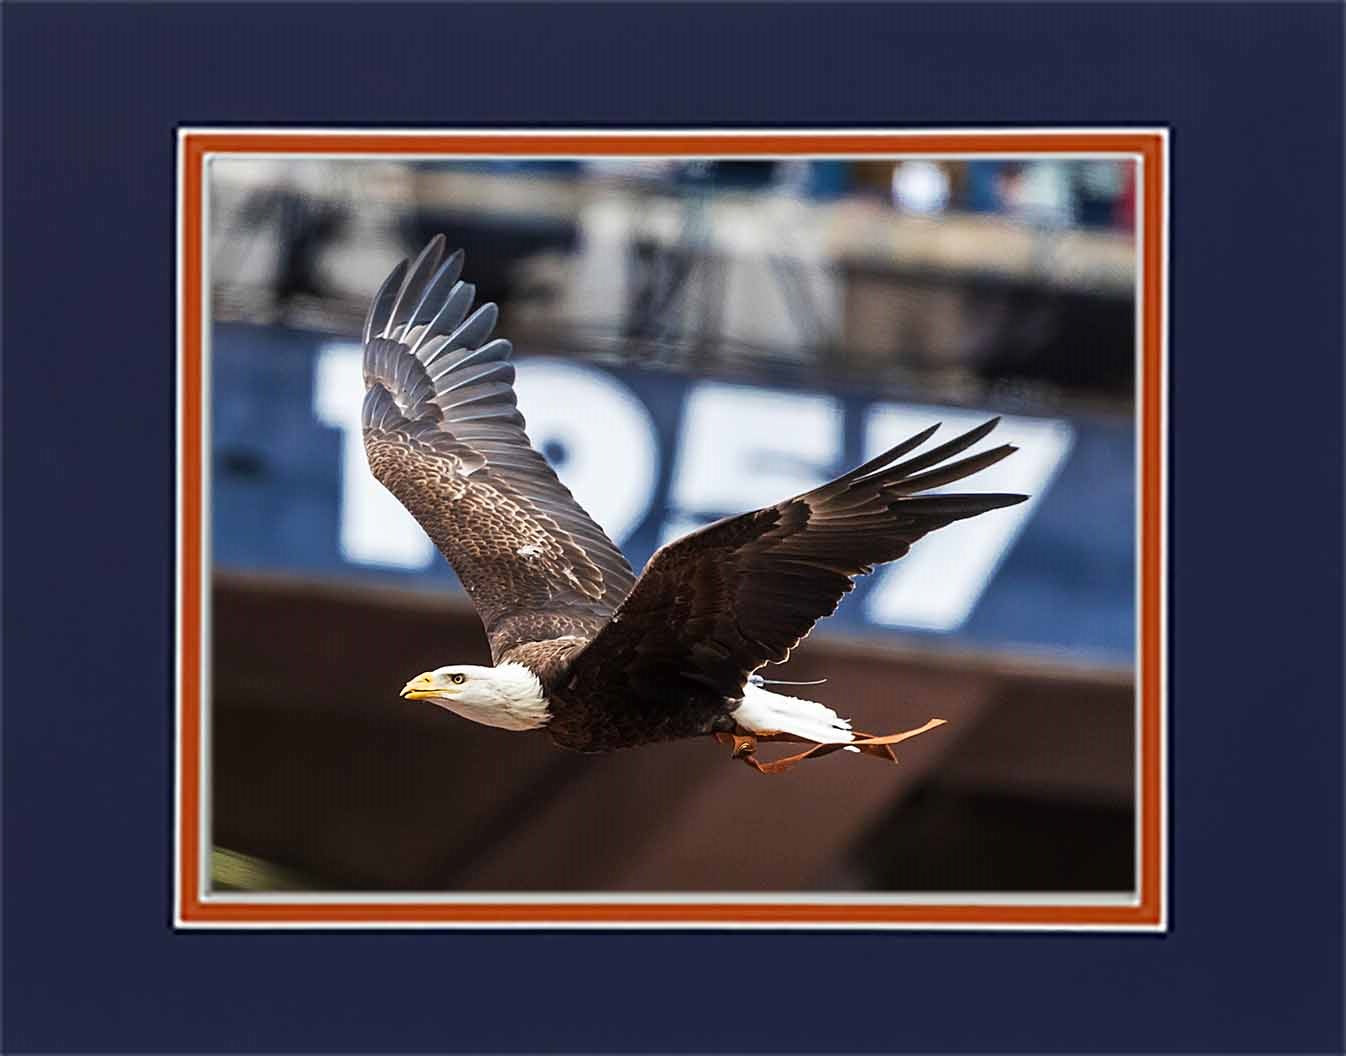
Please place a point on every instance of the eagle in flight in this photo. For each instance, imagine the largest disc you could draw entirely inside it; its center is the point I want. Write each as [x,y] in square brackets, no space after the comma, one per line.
[582,647]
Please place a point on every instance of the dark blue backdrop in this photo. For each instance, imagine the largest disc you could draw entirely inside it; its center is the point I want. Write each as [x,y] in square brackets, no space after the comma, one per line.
[92,95]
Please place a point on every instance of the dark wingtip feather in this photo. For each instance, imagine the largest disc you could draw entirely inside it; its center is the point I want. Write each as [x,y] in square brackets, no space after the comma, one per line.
[879,462]
[950,472]
[955,507]
[409,296]
[436,290]
[945,450]
[381,307]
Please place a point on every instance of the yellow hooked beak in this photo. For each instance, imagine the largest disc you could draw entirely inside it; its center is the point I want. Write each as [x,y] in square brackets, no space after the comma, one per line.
[427,687]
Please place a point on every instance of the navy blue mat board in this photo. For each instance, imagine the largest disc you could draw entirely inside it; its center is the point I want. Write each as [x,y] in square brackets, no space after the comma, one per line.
[93,95]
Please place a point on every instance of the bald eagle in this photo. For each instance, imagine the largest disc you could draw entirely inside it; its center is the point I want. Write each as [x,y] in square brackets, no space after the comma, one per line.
[580,645]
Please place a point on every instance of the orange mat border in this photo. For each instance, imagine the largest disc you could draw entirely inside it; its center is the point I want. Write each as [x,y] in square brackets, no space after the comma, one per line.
[1148,912]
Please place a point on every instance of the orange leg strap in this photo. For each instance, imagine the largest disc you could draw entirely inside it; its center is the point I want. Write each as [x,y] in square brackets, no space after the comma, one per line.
[744,747]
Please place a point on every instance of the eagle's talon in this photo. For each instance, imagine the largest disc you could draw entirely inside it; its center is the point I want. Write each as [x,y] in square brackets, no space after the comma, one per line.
[741,746]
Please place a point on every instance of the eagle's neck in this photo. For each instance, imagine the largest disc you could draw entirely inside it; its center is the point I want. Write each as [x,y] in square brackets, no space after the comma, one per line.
[519,703]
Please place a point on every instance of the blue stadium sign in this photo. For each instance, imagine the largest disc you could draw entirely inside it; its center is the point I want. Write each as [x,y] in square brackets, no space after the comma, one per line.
[653,454]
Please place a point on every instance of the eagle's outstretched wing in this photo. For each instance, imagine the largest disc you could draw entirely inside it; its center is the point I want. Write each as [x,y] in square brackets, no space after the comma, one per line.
[712,607]
[443,434]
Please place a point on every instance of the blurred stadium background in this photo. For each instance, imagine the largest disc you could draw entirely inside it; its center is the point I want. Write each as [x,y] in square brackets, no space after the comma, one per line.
[694,339]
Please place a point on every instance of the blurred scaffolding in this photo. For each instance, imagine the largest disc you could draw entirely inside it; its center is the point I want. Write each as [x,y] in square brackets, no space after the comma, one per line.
[952,275]
[694,339]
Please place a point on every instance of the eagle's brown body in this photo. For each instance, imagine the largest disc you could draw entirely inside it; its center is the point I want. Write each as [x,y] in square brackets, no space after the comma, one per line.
[622,661]
[584,717]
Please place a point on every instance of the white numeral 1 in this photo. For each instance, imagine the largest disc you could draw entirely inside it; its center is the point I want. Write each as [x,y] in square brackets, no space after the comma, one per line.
[608,445]
[375,528]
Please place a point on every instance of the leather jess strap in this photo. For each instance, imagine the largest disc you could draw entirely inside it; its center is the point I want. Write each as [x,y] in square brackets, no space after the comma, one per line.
[745,747]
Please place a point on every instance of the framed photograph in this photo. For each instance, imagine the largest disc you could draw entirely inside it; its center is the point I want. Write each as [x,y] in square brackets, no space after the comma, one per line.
[672,527]
[693,326]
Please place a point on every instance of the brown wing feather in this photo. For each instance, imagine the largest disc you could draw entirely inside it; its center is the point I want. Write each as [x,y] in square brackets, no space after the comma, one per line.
[712,607]
[443,433]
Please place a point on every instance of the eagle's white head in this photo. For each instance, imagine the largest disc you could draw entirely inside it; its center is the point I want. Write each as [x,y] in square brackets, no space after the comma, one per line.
[508,696]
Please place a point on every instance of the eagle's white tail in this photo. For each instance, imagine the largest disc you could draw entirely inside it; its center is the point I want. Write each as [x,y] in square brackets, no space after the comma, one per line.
[764,712]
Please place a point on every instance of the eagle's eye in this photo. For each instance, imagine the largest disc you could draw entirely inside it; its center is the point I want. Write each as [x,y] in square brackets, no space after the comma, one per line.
[458,679]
